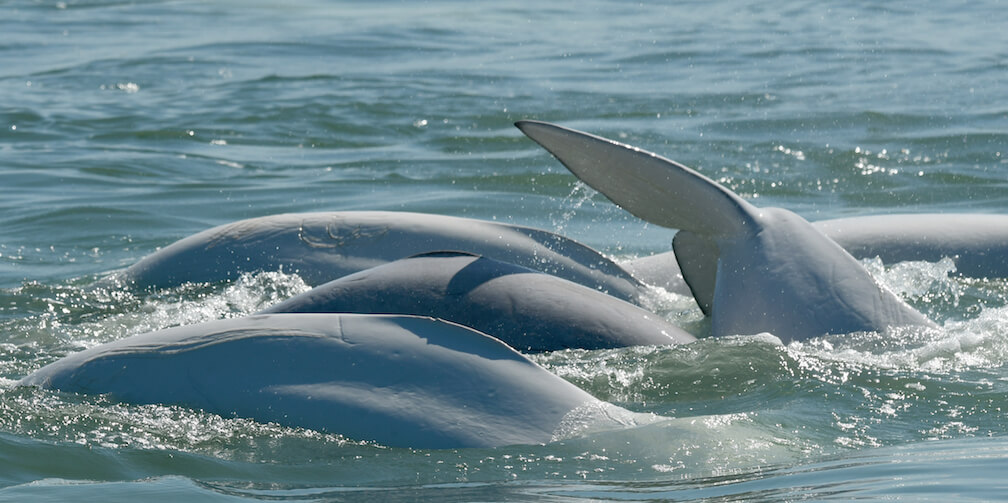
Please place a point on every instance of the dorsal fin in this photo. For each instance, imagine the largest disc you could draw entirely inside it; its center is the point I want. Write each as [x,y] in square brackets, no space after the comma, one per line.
[649,186]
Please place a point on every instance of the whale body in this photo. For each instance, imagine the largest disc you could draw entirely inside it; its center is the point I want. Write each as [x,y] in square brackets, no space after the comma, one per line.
[324,246]
[751,269]
[527,310]
[977,243]
[401,381]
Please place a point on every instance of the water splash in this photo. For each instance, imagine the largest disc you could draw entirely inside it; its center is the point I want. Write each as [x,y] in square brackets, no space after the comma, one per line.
[677,309]
[580,194]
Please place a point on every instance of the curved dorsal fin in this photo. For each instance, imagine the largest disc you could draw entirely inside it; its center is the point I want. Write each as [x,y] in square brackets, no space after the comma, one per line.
[649,186]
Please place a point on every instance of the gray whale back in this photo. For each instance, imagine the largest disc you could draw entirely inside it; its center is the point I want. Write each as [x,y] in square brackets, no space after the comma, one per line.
[323,246]
[526,309]
[400,381]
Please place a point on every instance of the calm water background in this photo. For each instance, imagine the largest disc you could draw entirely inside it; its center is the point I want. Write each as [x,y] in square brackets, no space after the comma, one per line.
[125,126]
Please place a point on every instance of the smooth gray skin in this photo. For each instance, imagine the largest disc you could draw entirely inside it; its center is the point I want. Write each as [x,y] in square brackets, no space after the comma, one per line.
[321,247]
[976,243]
[526,309]
[401,381]
[752,269]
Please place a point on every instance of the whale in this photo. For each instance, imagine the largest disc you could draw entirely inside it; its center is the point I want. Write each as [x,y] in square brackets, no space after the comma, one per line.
[324,246]
[399,381]
[528,310]
[751,269]
[977,244]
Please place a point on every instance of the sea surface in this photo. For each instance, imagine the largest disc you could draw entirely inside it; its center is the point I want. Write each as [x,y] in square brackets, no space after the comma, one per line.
[125,126]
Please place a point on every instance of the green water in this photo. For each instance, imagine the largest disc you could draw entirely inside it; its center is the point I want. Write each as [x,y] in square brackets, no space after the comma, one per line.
[125,126]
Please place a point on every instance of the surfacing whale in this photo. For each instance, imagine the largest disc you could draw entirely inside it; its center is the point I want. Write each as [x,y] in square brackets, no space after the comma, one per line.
[977,244]
[752,269]
[324,246]
[527,310]
[401,381]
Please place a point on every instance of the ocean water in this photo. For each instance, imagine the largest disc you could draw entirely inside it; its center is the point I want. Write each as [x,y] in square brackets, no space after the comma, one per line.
[127,125]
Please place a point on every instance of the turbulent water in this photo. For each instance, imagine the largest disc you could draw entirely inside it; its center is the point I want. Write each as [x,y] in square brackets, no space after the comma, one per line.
[125,126]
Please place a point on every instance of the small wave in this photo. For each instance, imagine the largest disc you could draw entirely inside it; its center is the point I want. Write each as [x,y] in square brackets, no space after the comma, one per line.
[972,314]
[596,416]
